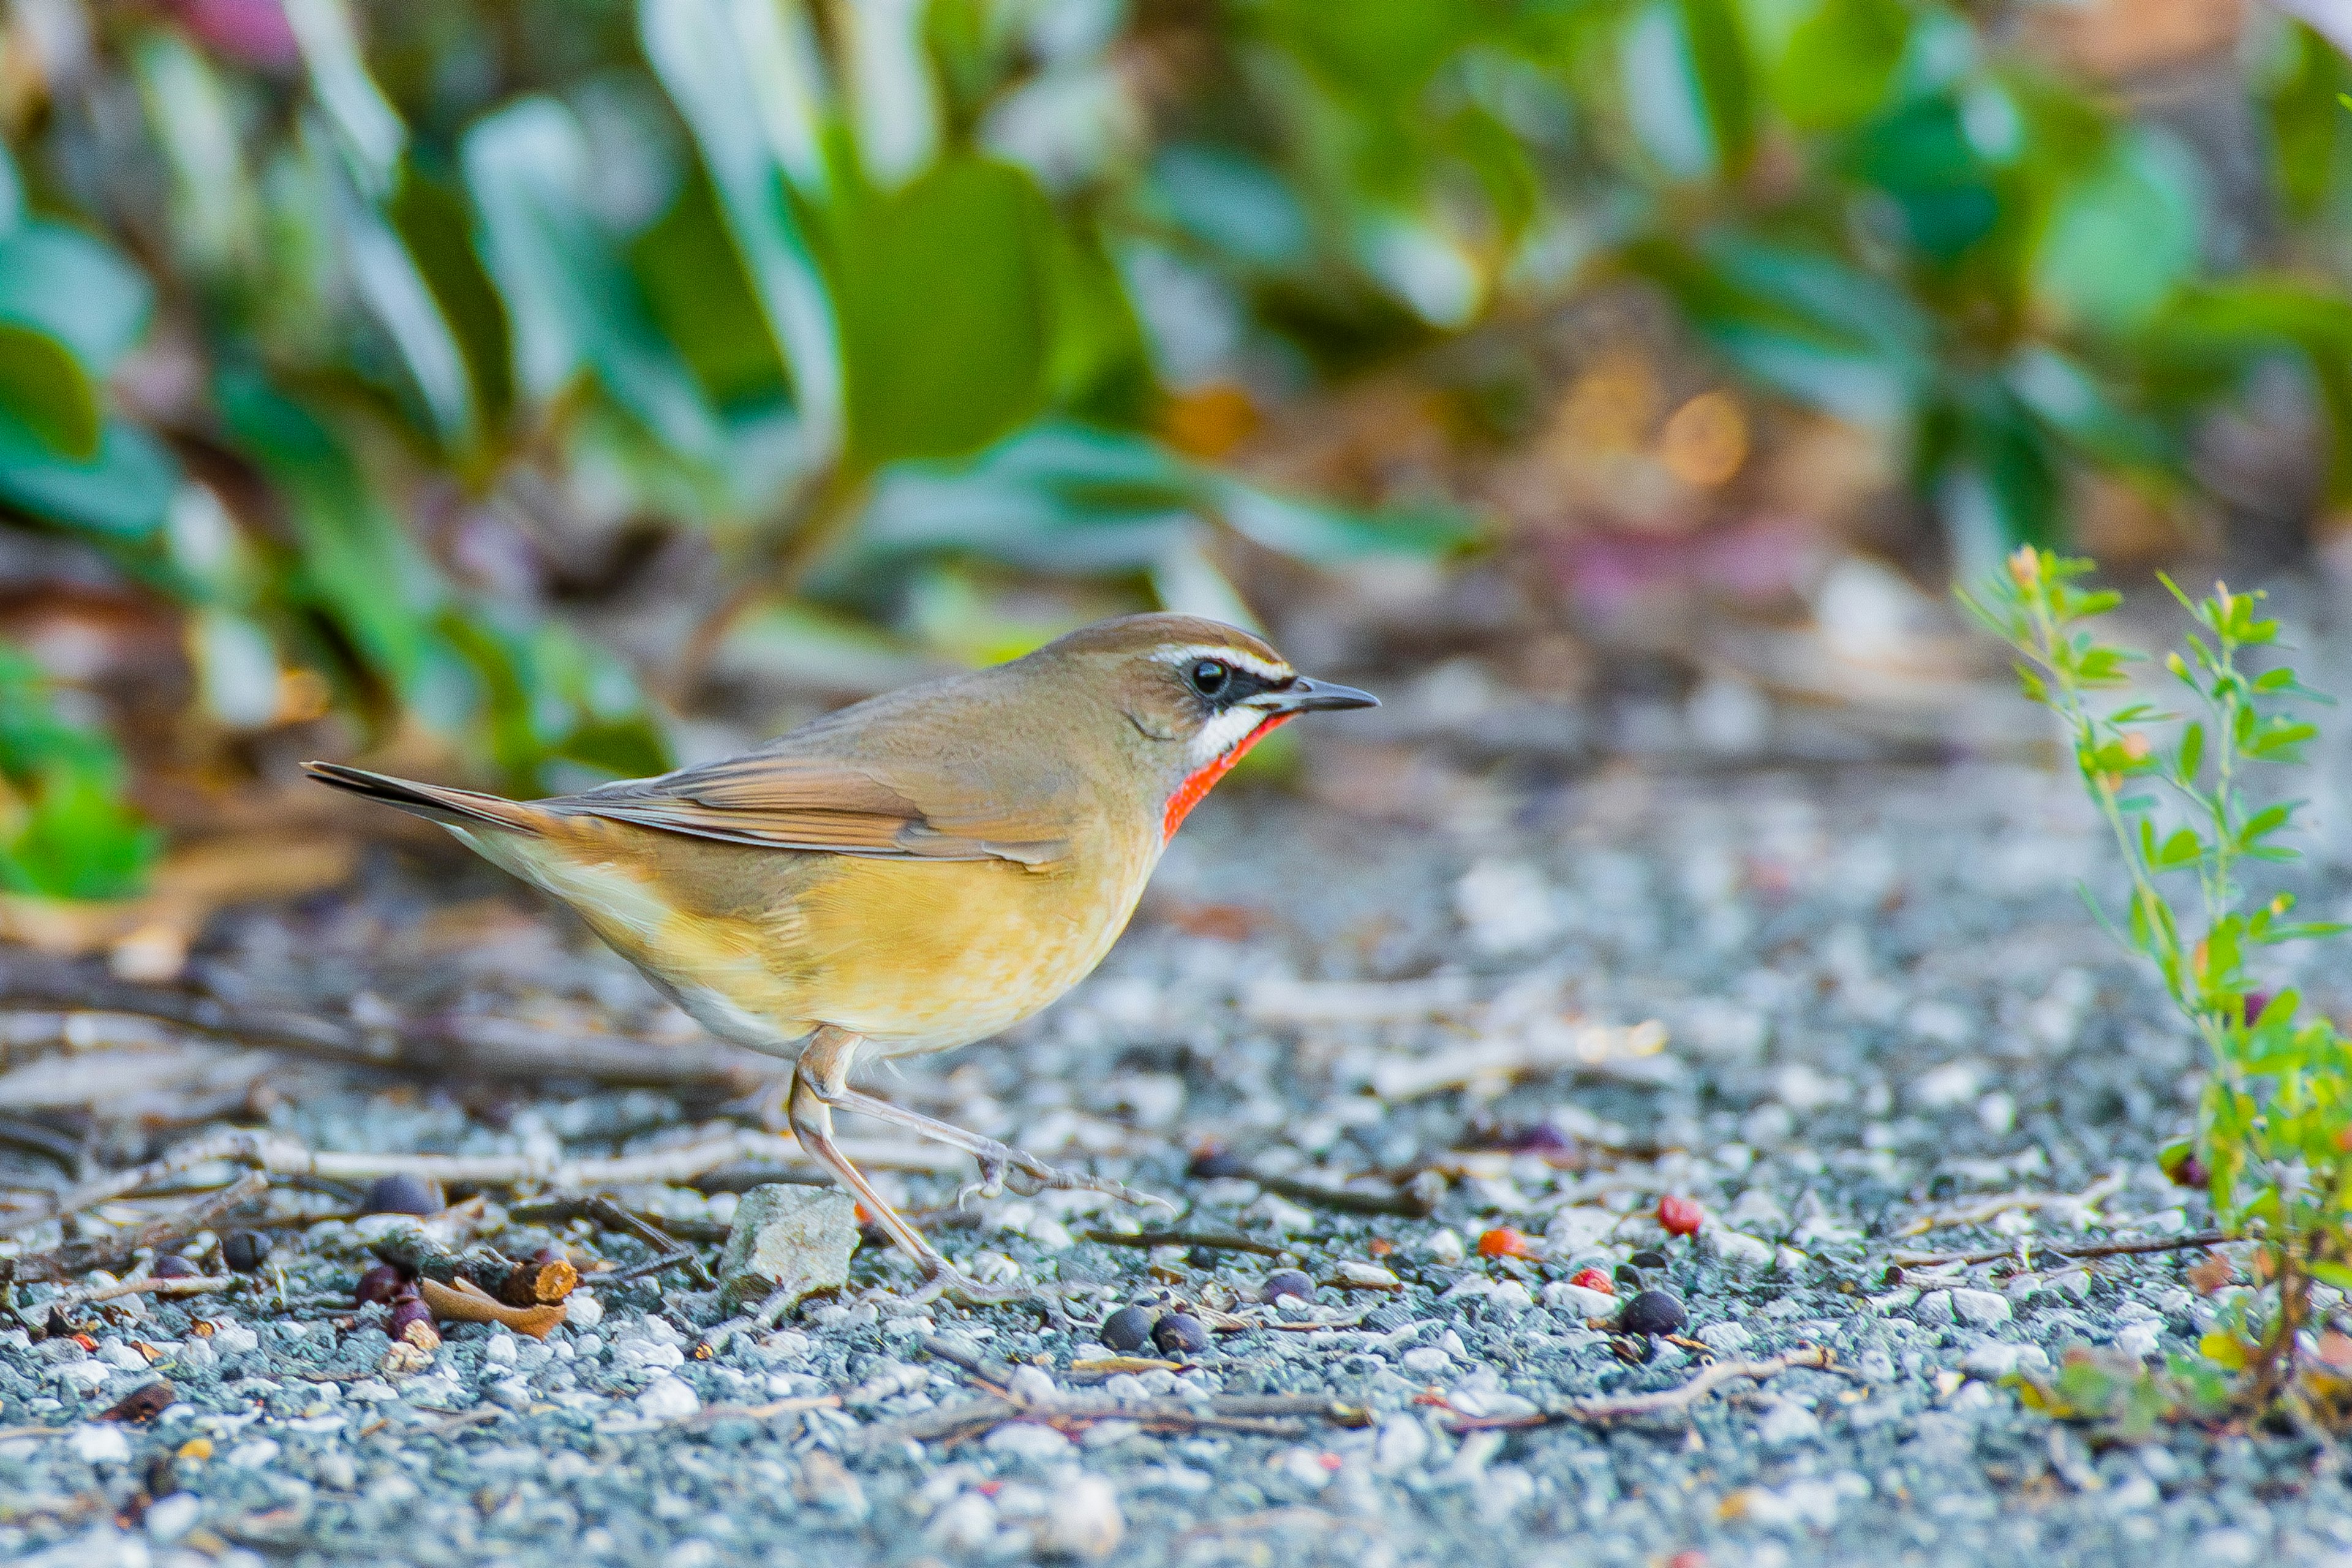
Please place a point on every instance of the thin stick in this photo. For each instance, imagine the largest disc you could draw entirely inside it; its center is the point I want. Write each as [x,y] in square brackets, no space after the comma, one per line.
[1991,1208]
[78,1257]
[63,995]
[2094,1250]
[1219,1241]
[612,1217]
[285,1157]
[182,1285]
[1665,1402]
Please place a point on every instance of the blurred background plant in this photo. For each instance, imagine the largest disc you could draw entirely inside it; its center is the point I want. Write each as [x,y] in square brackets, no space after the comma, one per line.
[544,389]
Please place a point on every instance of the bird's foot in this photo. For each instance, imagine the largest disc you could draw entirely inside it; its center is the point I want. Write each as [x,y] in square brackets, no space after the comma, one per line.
[990,1185]
[942,1279]
[1029,1176]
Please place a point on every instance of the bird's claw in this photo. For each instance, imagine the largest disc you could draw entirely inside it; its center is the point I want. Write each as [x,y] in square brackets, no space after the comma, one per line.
[990,1185]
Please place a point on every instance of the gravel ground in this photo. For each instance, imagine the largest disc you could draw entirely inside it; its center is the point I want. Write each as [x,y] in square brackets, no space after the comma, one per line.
[1883,1003]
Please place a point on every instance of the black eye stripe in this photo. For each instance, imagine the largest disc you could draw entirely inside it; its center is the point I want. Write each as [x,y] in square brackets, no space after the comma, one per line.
[1222,685]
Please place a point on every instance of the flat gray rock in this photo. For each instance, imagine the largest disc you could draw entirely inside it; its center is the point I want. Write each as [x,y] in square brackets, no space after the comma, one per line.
[788,1241]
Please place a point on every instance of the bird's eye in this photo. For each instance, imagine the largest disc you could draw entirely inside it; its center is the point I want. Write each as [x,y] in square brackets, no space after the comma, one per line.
[1209,676]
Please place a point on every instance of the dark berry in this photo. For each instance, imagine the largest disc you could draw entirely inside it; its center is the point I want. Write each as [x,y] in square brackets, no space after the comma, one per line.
[1628,1276]
[1203,1258]
[171,1266]
[380,1283]
[1288,1282]
[1649,1260]
[1180,1333]
[1650,1313]
[1127,1329]
[407,1310]
[244,1250]
[1214,1162]
[404,1194]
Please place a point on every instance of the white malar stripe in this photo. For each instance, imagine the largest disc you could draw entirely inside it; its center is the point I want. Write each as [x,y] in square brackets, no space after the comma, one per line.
[1222,733]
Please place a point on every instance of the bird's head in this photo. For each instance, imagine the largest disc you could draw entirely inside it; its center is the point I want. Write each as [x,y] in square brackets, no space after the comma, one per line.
[1196,693]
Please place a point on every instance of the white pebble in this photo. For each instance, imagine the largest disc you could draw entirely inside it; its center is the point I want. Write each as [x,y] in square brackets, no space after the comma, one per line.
[1400,1445]
[1083,1519]
[1724,1339]
[102,1443]
[500,1351]
[1578,1300]
[1426,1359]
[583,1310]
[1027,1441]
[253,1454]
[2138,1340]
[1445,1247]
[1982,1308]
[168,1519]
[1787,1422]
[667,1399]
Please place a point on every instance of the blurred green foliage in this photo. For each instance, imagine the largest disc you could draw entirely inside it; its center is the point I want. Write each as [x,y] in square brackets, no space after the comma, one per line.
[858,288]
[64,830]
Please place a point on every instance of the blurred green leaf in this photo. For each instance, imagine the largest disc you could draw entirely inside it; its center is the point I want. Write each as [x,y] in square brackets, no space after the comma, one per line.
[1072,498]
[365,124]
[430,216]
[1232,203]
[356,565]
[571,302]
[74,287]
[65,829]
[734,78]
[1665,95]
[42,386]
[2122,238]
[1839,60]
[943,309]
[551,697]
[122,490]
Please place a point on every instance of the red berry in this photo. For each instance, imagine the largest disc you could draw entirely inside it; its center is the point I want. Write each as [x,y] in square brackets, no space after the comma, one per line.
[1593,1279]
[1503,1242]
[1680,1215]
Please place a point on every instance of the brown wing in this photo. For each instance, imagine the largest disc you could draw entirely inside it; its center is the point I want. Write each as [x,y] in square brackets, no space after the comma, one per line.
[892,786]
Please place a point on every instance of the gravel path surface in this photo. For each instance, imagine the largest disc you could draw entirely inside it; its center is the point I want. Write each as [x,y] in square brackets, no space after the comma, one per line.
[1883,1003]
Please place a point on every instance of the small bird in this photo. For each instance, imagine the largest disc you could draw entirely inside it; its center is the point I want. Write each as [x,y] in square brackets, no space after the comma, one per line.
[909,874]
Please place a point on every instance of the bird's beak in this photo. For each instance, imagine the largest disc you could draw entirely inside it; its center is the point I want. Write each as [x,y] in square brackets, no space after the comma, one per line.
[1302,696]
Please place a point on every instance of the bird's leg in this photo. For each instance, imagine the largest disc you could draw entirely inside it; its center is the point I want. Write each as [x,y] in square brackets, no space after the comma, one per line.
[818,1079]
[999,1163]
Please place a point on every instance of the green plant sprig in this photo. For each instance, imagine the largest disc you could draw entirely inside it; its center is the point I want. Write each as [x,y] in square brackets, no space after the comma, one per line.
[2275,1123]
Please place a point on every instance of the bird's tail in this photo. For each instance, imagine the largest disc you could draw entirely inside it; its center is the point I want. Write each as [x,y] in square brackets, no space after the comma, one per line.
[462,807]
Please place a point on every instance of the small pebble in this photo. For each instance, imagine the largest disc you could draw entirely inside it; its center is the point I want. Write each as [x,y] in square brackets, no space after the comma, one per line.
[1127,1330]
[1650,1313]
[1180,1333]
[1288,1282]
[1648,1260]
[244,1250]
[404,1194]
[171,1266]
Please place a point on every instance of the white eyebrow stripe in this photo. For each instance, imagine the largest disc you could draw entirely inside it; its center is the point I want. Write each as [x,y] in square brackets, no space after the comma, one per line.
[1238,658]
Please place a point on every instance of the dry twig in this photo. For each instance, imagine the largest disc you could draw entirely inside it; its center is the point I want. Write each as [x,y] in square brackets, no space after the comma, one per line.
[285,1157]
[57,994]
[1260,1414]
[182,1285]
[78,1257]
[1663,1402]
[1993,1208]
[2093,1249]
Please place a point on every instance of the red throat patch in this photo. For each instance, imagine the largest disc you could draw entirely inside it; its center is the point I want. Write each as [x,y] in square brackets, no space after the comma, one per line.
[1188,793]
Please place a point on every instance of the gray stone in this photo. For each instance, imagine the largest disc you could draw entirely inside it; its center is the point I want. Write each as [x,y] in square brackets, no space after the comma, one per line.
[787,1241]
